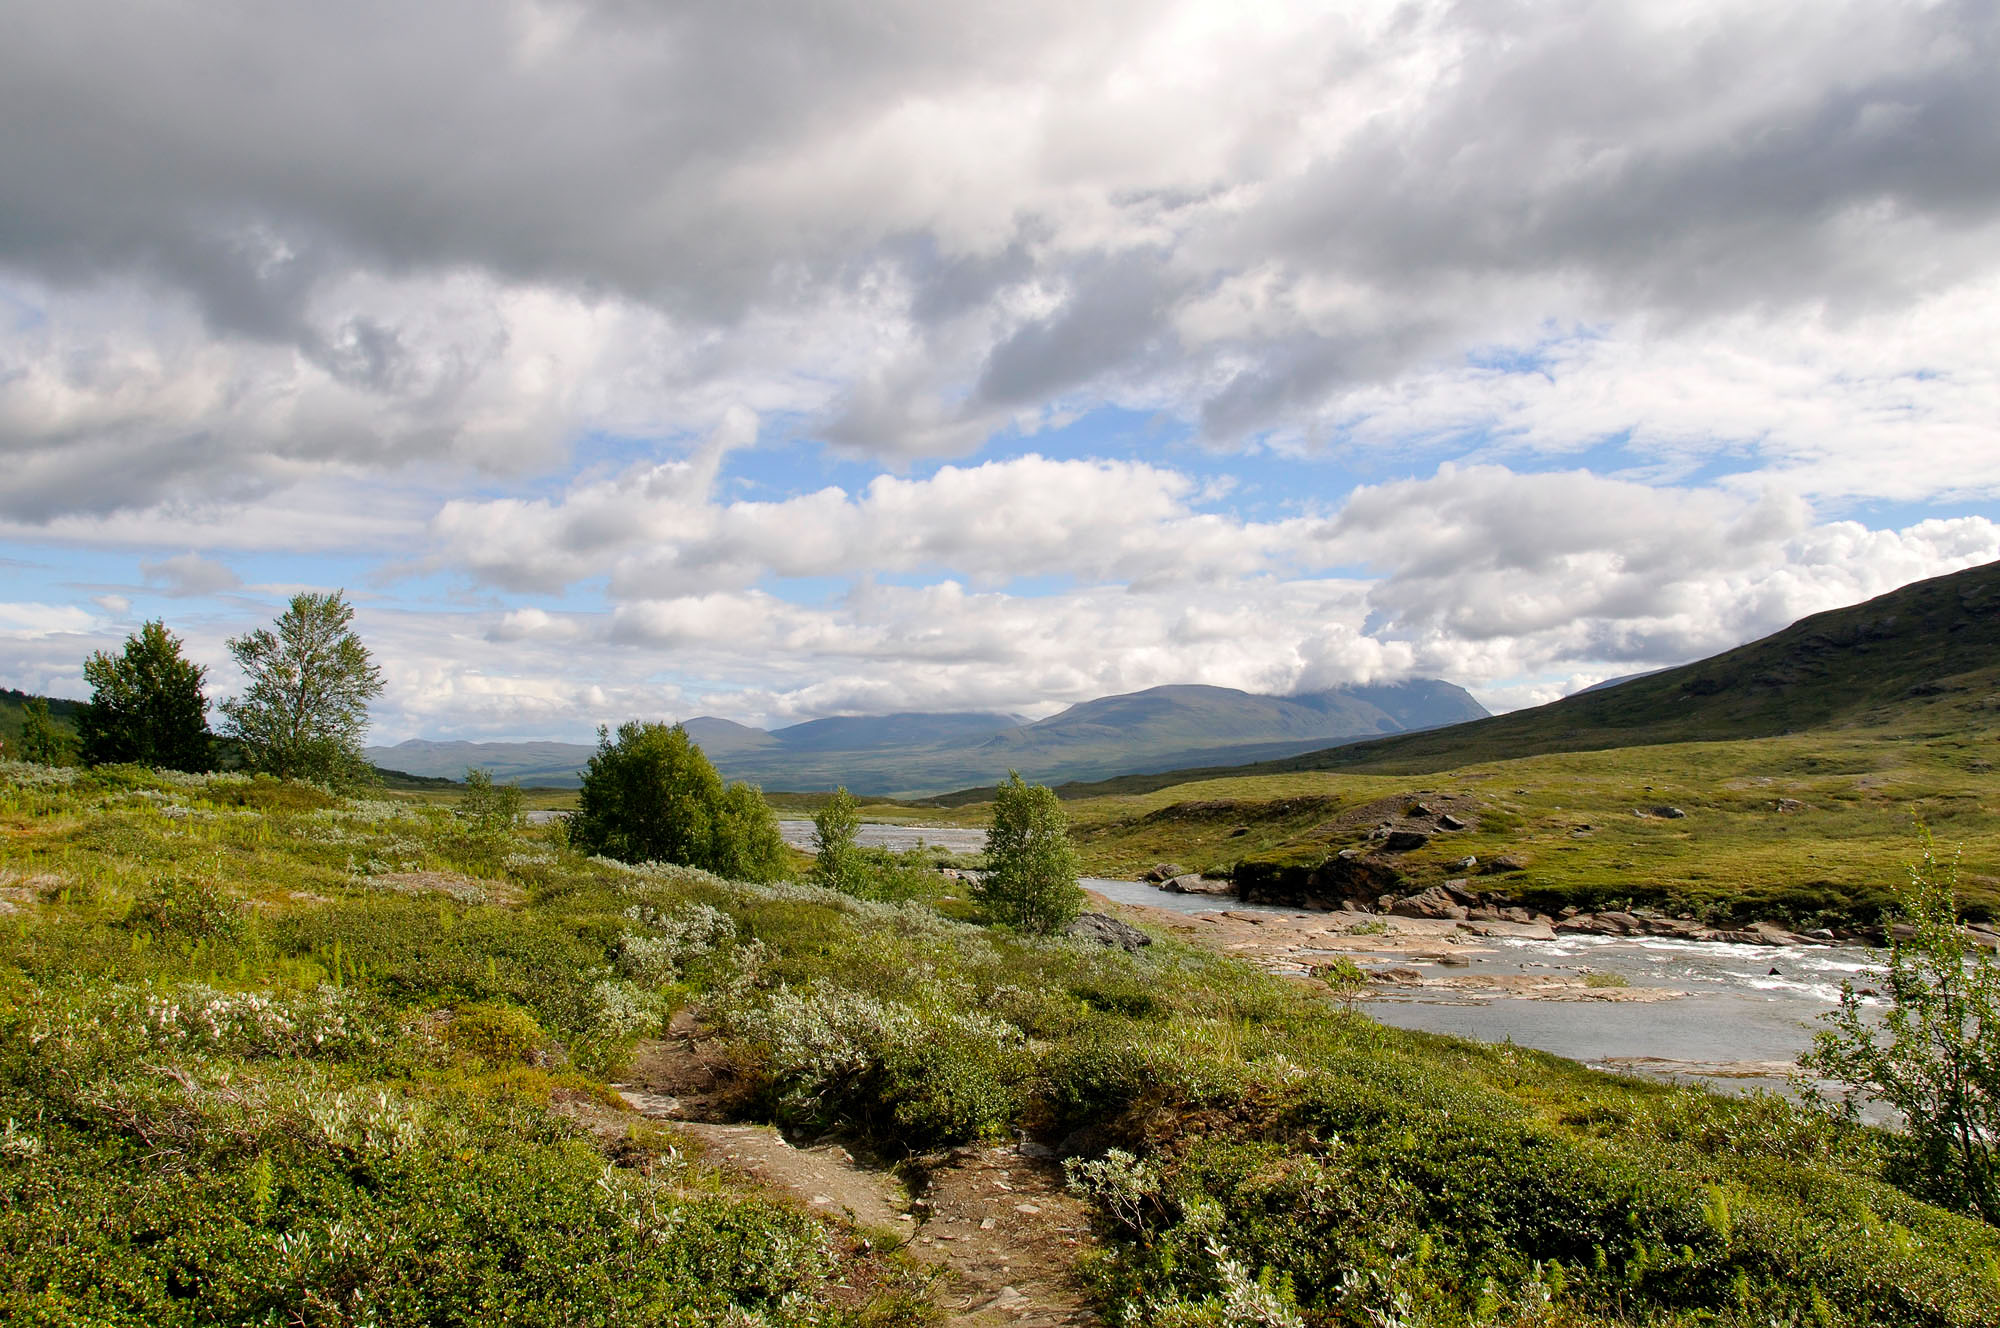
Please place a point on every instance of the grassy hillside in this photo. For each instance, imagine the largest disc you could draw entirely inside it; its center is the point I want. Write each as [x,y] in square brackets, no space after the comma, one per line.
[1806,830]
[270,1057]
[1922,660]
[1800,761]
[12,705]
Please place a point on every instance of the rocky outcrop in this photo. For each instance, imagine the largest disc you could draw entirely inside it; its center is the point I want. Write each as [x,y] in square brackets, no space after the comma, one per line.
[1347,875]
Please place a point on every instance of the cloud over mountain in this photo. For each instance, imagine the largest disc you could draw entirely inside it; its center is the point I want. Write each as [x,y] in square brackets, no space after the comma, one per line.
[896,353]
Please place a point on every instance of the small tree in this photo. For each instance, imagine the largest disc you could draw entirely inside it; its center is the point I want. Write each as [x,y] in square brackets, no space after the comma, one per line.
[490,811]
[146,705]
[41,740]
[1030,880]
[747,845]
[650,795]
[1935,1055]
[837,860]
[306,707]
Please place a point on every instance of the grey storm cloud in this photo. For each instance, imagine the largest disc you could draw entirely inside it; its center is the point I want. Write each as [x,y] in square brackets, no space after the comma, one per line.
[1491,165]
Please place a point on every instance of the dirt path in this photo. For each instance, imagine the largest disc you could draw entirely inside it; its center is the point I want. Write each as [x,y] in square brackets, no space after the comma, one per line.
[994,1222]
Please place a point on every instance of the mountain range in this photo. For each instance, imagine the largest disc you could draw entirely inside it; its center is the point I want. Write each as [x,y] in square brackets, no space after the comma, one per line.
[917,753]
[1922,661]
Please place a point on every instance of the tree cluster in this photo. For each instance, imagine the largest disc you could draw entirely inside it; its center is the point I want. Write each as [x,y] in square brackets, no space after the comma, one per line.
[301,715]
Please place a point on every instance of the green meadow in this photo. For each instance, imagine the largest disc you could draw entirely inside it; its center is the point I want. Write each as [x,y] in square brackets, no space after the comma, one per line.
[271,1056]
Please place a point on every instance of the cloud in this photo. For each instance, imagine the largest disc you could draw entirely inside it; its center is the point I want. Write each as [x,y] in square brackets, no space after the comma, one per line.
[189,574]
[1629,318]
[902,230]
[1492,573]
[656,531]
[34,622]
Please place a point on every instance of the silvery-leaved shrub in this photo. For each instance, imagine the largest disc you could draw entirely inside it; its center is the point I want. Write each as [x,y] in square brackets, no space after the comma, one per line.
[912,1077]
[621,1011]
[325,1023]
[671,938]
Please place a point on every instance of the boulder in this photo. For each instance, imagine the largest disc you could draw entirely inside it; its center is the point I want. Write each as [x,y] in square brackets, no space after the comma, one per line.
[1503,864]
[1789,806]
[1450,822]
[1194,883]
[1669,813]
[1108,931]
[1588,924]
[1164,871]
[1402,841]
[1431,903]
[1461,892]
[1465,865]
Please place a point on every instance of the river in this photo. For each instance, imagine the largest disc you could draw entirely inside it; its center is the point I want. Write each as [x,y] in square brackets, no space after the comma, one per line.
[1745,1012]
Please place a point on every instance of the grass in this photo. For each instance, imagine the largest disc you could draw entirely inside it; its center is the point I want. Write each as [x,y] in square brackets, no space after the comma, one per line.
[270,1057]
[1806,829]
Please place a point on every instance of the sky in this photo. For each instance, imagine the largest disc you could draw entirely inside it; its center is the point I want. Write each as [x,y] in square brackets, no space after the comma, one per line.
[773,361]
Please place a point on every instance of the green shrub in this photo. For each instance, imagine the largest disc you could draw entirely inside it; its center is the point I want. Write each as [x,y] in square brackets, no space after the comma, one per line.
[651,796]
[497,1034]
[195,908]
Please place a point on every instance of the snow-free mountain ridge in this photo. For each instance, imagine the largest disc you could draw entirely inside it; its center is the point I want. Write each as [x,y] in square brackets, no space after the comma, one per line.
[916,753]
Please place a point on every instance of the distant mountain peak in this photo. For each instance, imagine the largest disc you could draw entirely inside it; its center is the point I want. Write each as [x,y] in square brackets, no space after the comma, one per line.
[918,751]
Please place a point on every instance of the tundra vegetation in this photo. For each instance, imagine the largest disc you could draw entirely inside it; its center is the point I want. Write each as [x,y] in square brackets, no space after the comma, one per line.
[271,1055]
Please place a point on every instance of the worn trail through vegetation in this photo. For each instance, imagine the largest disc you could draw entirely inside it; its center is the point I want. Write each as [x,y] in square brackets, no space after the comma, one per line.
[994,1222]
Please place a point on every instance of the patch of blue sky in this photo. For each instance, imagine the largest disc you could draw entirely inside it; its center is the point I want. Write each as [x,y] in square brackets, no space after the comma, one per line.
[1252,484]
[807,591]
[1883,514]
[1039,587]
[775,470]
